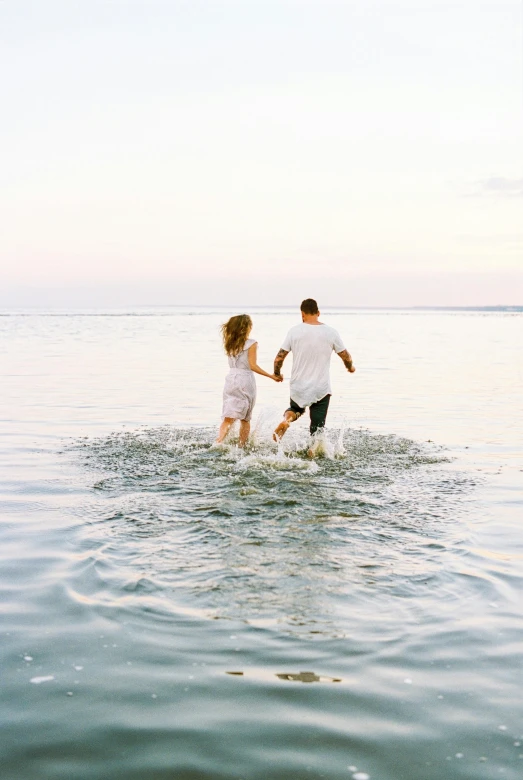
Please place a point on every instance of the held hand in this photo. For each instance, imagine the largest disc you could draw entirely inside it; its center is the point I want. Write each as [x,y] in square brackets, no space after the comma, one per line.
[277,377]
[351,370]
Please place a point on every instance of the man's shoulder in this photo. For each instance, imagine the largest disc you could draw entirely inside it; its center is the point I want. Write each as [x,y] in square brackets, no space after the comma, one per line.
[329,329]
[295,330]
[330,336]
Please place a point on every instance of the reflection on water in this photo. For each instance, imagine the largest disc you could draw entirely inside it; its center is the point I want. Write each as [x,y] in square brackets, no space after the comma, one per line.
[304,677]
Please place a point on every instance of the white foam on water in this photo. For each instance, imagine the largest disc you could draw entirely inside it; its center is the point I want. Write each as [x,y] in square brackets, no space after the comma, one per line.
[320,446]
[297,438]
[264,425]
[278,462]
[294,451]
[339,449]
[38,680]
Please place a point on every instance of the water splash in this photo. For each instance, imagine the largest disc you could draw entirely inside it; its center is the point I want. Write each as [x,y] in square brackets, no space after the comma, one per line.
[268,533]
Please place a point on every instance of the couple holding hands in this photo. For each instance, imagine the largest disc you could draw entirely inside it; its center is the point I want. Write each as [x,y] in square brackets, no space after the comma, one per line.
[311,343]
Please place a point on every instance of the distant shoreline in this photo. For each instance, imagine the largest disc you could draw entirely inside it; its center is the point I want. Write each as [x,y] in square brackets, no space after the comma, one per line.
[157,308]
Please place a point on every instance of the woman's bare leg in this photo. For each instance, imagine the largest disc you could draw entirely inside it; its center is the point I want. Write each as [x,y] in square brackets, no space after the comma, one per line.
[245,429]
[224,429]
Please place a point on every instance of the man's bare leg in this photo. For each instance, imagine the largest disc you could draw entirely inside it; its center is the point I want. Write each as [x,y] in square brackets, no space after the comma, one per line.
[245,429]
[280,431]
[224,429]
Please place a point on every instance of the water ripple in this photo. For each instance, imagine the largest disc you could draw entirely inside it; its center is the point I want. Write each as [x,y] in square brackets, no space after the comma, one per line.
[268,534]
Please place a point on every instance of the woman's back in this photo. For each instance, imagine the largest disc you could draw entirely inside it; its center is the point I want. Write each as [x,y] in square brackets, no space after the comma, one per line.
[242,360]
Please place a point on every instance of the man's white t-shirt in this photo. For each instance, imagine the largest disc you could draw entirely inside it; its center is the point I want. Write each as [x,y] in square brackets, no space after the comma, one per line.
[311,347]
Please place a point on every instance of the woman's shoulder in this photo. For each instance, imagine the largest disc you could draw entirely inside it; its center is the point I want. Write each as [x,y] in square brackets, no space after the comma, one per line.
[249,343]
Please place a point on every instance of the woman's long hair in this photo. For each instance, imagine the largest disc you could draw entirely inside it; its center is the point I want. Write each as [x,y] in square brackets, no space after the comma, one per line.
[234,333]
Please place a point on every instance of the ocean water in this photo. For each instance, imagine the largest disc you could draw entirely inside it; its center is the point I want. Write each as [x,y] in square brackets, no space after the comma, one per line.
[170,609]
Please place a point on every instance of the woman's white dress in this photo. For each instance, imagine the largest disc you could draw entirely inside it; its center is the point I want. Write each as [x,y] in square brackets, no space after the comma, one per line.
[239,392]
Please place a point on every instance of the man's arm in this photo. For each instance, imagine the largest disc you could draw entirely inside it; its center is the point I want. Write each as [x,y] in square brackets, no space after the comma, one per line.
[278,361]
[347,361]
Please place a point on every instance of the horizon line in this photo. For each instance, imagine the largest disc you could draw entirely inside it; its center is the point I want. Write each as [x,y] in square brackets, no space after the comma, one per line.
[435,307]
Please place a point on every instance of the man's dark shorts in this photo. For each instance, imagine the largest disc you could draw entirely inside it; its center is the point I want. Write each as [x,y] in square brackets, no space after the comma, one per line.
[317,411]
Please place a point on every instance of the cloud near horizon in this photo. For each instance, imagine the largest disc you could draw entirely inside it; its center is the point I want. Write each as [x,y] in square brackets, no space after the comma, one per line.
[503,186]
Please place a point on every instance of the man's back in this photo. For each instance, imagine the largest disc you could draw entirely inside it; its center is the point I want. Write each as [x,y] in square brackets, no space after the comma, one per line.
[311,346]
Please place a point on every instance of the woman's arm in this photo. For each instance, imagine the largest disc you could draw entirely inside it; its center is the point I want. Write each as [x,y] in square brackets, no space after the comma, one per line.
[252,354]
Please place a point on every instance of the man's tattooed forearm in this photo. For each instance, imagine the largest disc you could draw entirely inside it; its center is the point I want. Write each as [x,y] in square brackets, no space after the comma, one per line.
[347,360]
[278,361]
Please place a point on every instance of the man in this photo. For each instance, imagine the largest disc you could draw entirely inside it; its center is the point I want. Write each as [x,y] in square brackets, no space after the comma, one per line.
[311,344]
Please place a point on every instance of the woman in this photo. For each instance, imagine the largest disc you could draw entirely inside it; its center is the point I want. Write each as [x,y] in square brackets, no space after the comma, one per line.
[239,392]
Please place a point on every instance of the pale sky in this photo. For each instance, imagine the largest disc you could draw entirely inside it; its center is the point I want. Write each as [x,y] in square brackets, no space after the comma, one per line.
[366,152]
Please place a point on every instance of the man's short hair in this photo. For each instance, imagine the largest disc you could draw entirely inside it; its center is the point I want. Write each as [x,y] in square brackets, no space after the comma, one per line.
[309,306]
